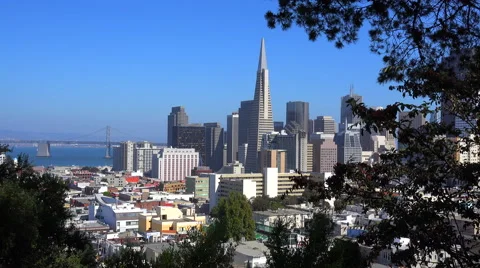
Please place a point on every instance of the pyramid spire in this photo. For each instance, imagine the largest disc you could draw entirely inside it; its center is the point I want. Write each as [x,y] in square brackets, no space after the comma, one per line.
[262,60]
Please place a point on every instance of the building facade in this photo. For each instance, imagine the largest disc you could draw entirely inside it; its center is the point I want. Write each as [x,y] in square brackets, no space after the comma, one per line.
[232,137]
[123,156]
[324,152]
[325,124]
[177,117]
[346,113]
[261,118]
[143,155]
[174,164]
[349,148]
[244,114]
[298,111]
[214,145]
[192,136]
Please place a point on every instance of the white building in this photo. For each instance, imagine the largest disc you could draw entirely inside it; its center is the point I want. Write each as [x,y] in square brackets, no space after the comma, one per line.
[119,216]
[143,155]
[468,155]
[174,164]
[3,158]
[295,217]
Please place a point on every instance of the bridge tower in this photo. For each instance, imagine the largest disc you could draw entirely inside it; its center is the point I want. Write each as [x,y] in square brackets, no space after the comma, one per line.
[108,143]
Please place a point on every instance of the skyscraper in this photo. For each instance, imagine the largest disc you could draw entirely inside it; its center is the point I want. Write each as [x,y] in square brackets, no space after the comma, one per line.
[298,111]
[214,145]
[261,119]
[325,124]
[178,117]
[232,137]
[244,121]
[191,136]
[346,113]
[278,126]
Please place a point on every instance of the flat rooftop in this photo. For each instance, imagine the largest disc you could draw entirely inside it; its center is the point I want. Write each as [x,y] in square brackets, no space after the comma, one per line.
[282,212]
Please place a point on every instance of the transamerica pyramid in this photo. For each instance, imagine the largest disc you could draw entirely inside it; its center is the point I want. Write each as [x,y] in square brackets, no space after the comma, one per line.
[261,120]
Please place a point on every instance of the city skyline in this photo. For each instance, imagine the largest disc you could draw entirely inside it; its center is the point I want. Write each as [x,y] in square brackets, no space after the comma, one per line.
[134,73]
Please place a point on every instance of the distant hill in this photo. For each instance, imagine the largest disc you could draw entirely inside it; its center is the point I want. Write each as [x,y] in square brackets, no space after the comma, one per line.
[30,135]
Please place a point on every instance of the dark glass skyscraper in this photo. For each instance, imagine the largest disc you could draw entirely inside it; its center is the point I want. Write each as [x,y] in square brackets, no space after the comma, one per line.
[178,117]
[244,121]
[298,111]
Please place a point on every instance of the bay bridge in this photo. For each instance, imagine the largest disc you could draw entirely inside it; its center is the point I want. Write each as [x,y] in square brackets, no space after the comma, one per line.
[93,138]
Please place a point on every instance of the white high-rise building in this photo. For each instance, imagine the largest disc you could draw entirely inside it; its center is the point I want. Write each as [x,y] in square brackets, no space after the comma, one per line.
[174,164]
[143,155]
[261,119]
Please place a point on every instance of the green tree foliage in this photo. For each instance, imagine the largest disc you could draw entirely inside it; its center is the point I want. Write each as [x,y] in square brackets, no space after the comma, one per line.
[202,249]
[315,252]
[233,218]
[33,231]
[126,258]
[91,169]
[430,53]
[263,203]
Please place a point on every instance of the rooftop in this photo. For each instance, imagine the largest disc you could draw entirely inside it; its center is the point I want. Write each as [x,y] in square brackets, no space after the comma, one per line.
[282,212]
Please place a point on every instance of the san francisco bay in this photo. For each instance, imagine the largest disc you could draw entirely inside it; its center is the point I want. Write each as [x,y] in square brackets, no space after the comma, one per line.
[64,156]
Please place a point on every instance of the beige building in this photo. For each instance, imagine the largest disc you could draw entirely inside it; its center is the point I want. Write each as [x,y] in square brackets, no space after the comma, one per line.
[270,158]
[324,152]
[170,220]
[270,183]
[309,157]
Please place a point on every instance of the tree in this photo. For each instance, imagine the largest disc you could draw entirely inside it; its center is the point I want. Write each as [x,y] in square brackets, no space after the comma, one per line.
[234,218]
[126,258]
[316,250]
[263,203]
[34,233]
[91,169]
[430,53]
[202,249]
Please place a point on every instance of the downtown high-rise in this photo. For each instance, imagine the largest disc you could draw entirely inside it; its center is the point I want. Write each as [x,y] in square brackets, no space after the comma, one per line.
[177,117]
[298,111]
[261,118]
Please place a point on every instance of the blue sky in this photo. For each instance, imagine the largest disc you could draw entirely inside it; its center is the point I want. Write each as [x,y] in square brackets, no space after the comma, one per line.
[76,66]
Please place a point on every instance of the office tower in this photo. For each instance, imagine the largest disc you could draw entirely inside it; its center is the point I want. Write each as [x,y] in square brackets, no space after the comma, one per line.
[346,113]
[192,136]
[261,119]
[123,156]
[232,137]
[242,153]
[349,148]
[178,117]
[325,124]
[324,152]
[311,126]
[244,115]
[173,164]
[214,145]
[309,157]
[416,122]
[3,158]
[294,141]
[143,155]
[277,126]
[298,111]
[273,158]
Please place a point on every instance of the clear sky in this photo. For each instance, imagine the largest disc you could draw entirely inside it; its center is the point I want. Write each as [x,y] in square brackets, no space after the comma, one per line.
[76,66]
